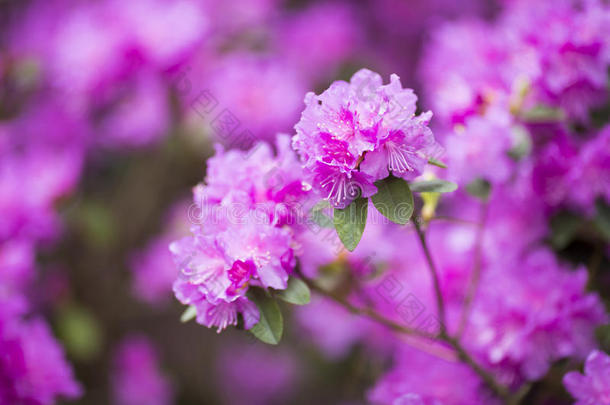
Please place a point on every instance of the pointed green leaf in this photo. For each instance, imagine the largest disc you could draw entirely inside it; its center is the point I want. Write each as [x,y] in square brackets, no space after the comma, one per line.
[318,215]
[270,326]
[394,199]
[437,163]
[433,186]
[350,222]
[296,293]
[188,315]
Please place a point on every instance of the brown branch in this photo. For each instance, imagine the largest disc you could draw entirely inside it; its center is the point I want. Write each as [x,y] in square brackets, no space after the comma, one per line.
[440,305]
[475,274]
[368,312]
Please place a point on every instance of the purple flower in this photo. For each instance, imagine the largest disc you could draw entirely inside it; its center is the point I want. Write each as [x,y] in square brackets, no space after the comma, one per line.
[409,399]
[336,37]
[549,53]
[256,374]
[41,155]
[356,133]
[532,313]
[588,178]
[419,378]
[136,378]
[464,68]
[109,61]
[33,369]
[232,18]
[552,167]
[571,47]
[479,149]
[332,328]
[138,118]
[247,213]
[592,388]
[259,94]
[17,264]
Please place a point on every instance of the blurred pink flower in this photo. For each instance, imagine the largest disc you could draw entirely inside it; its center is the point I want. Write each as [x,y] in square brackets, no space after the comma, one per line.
[136,378]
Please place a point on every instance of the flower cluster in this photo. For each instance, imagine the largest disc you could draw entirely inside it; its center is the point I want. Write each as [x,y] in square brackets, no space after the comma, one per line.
[530,86]
[533,315]
[38,165]
[356,133]
[477,289]
[243,236]
[33,369]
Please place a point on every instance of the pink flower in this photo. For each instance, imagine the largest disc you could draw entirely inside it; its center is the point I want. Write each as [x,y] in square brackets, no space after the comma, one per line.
[594,386]
[418,378]
[246,216]
[479,150]
[570,42]
[532,313]
[256,374]
[259,94]
[337,35]
[356,133]
[33,369]
[136,378]
[588,177]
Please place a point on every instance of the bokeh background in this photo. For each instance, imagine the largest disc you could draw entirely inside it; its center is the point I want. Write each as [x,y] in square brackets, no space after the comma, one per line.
[108,112]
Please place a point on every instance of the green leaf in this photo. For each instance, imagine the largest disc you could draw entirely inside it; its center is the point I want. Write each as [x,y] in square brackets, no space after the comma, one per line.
[81,332]
[564,227]
[350,222]
[602,219]
[433,186]
[394,199]
[270,326]
[542,113]
[318,215]
[437,163]
[296,293]
[189,314]
[479,188]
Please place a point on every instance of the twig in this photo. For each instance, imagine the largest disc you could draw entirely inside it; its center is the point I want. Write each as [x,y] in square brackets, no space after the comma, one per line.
[443,336]
[475,275]
[499,389]
[440,305]
[368,312]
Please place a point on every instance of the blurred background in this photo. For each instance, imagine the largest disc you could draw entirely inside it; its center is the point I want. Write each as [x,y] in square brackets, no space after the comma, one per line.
[108,112]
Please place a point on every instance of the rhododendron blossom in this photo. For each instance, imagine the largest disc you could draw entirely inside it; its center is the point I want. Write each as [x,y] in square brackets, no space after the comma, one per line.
[399,260]
[244,234]
[356,133]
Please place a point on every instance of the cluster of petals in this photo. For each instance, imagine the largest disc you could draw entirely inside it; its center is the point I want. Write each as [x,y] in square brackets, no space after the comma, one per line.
[356,133]
[242,234]
[532,314]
